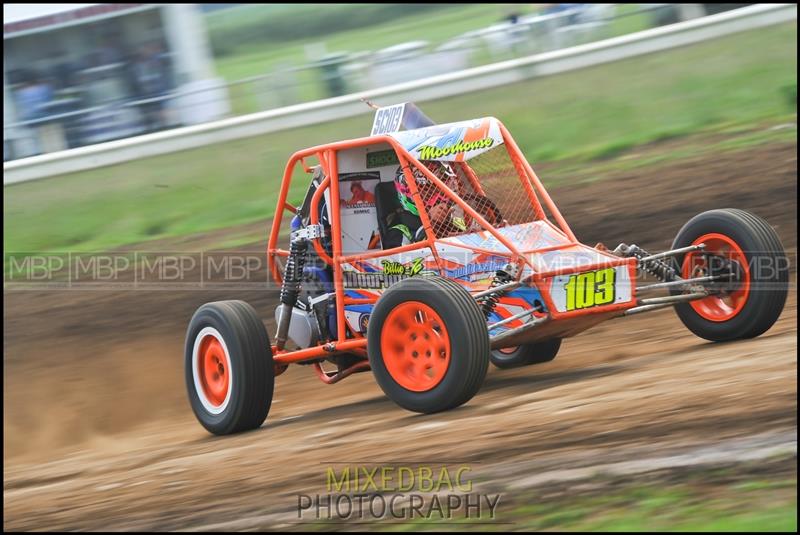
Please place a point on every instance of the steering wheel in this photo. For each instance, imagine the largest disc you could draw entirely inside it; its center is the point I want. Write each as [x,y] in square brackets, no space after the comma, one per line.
[485,207]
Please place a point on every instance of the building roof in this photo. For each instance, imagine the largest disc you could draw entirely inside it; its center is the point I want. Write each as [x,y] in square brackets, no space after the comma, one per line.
[23,19]
[19,12]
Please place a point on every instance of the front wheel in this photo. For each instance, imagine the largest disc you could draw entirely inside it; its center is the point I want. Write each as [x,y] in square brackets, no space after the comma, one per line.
[428,344]
[229,369]
[743,246]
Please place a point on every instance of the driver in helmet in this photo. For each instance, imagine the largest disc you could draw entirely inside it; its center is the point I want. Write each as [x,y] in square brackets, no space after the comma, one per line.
[406,226]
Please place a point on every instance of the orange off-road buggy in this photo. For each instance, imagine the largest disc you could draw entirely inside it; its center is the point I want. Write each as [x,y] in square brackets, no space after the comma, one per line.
[487,271]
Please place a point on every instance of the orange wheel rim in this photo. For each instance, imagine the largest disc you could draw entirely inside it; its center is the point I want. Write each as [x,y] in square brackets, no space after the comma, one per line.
[508,350]
[415,346]
[718,307]
[214,370]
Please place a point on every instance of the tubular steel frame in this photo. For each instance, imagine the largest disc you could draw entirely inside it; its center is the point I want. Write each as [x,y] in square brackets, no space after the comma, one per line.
[327,157]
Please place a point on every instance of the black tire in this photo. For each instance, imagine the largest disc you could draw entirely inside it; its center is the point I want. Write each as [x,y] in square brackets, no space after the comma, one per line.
[769,274]
[527,354]
[250,367]
[469,343]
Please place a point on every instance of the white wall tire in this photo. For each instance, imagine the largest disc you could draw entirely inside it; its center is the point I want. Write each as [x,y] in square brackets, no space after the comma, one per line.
[229,371]
[200,352]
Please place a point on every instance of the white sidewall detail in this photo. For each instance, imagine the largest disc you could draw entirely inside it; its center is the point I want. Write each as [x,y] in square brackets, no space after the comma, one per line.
[198,387]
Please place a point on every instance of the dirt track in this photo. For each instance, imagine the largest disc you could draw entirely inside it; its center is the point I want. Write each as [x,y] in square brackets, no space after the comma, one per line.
[98,432]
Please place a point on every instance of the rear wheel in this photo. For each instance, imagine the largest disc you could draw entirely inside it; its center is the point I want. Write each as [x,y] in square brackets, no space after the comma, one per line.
[428,344]
[228,367]
[746,247]
[525,355]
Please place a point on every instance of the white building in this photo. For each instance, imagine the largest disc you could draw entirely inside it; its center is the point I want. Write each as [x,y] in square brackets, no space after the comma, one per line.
[86,53]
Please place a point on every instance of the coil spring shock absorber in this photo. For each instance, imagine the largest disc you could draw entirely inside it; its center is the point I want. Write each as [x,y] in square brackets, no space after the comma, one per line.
[658,268]
[501,276]
[290,289]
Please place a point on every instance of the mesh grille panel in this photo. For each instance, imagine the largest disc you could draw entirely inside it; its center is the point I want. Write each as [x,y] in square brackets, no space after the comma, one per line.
[489,183]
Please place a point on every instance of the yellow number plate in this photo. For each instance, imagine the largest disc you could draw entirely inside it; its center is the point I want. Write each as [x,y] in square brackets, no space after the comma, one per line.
[591,289]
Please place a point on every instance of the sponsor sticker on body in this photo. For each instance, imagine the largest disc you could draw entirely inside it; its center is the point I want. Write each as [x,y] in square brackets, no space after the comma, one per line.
[453,142]
[427,152]
[392,270]
[388,119]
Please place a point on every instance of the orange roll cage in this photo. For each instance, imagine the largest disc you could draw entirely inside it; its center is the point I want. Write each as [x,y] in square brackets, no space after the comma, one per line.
[327,157]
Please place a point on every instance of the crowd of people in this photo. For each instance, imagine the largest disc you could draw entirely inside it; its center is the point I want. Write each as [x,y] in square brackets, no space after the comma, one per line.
[88,97]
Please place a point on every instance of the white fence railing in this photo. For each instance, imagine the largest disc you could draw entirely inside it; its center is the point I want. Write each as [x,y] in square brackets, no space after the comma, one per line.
[497,74]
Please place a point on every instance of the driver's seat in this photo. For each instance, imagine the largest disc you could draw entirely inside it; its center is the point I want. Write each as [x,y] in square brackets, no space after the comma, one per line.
[387,206]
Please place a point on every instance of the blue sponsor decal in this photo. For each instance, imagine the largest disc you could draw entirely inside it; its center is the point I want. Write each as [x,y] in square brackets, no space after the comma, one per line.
[471,269]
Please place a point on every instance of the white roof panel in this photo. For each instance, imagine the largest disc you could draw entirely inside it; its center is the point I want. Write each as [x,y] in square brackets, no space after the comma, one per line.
[19,12]
[453,141]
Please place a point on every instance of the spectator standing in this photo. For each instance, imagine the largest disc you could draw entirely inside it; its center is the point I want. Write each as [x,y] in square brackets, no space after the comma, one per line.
[32,100]
[33,97]
[151,81]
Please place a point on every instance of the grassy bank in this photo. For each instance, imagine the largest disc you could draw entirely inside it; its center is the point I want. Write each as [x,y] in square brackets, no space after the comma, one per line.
[753,497]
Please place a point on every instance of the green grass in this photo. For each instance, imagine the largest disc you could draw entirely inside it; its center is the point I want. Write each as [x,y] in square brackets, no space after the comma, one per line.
[254,59]
[576,172]
[730,83]
[276,24]
[668,508]
[245,47]
[754,505]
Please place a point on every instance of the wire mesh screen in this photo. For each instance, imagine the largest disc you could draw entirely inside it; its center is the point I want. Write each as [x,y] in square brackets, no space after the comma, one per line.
[490,183]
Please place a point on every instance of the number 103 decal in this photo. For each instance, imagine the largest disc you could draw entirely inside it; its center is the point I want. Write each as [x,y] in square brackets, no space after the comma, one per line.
[602,287]
[590,289]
